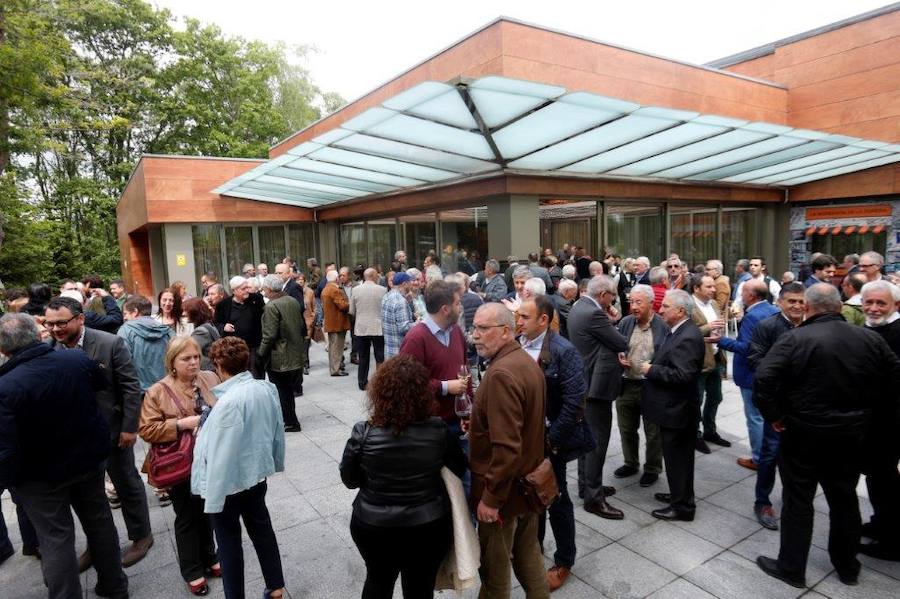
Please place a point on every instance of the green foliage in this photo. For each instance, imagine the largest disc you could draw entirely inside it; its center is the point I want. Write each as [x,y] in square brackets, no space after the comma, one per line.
[87,86]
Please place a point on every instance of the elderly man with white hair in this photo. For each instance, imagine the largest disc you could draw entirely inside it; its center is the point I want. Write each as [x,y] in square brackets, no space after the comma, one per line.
[365,307]
[566,294]
[642,270]
[569,272]
[879,303]
[494,287]
[871,264]
[241,316]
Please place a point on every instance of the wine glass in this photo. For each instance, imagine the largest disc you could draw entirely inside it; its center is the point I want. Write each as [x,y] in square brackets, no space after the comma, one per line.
[463,406]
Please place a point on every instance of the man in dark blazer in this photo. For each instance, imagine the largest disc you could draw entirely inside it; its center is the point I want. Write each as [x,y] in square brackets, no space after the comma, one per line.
[120,404]
[671,399]
[592,332]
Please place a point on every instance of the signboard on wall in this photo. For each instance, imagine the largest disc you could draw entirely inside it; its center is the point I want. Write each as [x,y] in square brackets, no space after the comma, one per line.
[839,212]
[180,259]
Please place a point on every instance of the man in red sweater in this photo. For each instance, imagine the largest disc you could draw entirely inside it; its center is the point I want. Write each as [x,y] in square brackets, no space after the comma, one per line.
[439,344]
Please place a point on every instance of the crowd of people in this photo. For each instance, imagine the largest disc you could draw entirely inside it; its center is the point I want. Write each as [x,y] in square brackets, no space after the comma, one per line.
[486,380]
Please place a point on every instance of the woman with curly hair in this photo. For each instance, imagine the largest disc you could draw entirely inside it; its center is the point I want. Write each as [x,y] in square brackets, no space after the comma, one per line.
[401,520]
[170,311]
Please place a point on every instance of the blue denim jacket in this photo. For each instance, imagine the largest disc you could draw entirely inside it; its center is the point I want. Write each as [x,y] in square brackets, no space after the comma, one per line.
[241,443]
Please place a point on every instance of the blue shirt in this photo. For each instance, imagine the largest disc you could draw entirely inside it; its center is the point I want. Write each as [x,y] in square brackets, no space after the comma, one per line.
[442,335]
[397,319]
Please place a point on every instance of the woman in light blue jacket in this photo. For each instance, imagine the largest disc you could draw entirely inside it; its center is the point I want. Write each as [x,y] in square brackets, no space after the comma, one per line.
[241,443]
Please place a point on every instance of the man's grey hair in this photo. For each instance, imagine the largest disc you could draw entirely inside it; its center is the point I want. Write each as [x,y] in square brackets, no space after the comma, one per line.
[493,265]
[536,286]
[875,257]
[569,272]
[273,283]
[647,290]
[823,297]
[717,264]
[18,331]
[415,273]
[331,276]
[500,314]
[566,284]
[599,284]
[881,285]
[459,279]
[743,263]
[370,274]
[522,272]
[680,299]
[235,282]
[643,260]
[215,289]
[247,267]
[595,268]
[658,275]
[397,254]
[852,258]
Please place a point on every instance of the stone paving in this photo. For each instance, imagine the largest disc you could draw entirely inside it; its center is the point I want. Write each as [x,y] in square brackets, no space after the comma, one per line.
[713,556]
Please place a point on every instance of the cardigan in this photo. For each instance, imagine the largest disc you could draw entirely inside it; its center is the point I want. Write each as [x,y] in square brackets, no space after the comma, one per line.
[442,362]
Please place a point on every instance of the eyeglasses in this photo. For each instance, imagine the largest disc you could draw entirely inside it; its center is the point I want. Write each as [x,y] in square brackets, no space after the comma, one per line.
[484,328]
[59,324]
[867,265]
[673,266]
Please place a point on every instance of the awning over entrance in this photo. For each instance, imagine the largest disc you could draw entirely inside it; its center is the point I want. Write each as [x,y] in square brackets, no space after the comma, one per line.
[436,133]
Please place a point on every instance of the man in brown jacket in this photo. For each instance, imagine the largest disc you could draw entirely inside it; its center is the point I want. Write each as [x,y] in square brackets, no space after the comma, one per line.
[334,307]
[506,442]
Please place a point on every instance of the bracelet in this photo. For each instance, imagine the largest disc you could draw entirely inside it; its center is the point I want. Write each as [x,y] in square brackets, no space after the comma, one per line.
[177,428]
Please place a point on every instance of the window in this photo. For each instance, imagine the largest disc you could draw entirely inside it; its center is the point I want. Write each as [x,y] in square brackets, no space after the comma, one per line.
[207,251]
[568,221]
[419,237]
[353,244]
[382,243]
[238,249]
[693,233]
[271,245]
[464,236]
[633,230]
[301,244]
[740,237]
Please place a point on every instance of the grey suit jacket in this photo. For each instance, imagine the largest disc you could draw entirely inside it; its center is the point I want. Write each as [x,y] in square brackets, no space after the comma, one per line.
[120,401]
[599,344]
[365,304]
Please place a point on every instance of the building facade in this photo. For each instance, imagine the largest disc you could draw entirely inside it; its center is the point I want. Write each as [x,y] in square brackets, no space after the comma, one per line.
[519,137]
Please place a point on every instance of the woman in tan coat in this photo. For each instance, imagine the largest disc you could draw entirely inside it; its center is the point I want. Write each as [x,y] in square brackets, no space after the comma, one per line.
[172,405]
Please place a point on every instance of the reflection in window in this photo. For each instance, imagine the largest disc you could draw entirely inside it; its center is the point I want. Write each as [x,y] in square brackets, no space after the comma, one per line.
[353,244]
[740,237]
[382,243]
[693,234]
[238,249]
[634,230]
[271,245]
[420,237]
[207,251]
[567,221]
[464,236]
[301,245]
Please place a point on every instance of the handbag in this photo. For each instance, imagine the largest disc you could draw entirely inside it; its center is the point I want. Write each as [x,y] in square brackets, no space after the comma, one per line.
[580,441]
[170,463]
[539,487]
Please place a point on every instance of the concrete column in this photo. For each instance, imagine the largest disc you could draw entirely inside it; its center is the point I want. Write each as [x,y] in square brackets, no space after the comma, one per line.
[774,222]
[179,256]
[513,226]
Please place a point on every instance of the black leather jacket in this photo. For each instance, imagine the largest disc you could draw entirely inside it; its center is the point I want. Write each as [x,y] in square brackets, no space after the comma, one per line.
[399,476]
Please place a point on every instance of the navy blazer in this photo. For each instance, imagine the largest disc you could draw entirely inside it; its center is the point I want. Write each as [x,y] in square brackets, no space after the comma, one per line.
[671,397]
[599,344]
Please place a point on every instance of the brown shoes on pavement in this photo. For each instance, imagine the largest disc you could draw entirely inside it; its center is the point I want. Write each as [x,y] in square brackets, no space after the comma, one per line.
[556,577]
[137,551]
[747,463]
[604,510]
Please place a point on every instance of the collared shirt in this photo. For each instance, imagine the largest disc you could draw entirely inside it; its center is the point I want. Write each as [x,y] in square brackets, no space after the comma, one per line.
[397,318]
[709,312]
[533,346]
[640,349]
[596,303]
[79,345]
[442,335]
[677,326]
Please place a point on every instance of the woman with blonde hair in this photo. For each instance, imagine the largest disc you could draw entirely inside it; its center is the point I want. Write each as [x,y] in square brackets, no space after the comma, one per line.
[175,404]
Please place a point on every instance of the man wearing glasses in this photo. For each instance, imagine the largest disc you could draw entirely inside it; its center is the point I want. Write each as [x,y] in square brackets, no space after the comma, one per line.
[870,264]
[120,403]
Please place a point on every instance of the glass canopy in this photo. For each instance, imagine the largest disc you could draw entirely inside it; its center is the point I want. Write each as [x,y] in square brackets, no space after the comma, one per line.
[436,133]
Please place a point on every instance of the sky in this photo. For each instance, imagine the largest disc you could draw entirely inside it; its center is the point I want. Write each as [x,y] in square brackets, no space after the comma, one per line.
[361,45]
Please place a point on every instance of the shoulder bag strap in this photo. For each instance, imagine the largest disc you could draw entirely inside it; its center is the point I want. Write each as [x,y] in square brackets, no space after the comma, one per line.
[174,399]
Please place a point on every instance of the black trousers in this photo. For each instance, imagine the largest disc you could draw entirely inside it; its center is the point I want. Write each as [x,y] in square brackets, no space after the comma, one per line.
[257,367]
[562,519]
[130,489]
[807,459]
[249,506]
[678,445]
[26,528]
[363,343]
[598,414]
[49,507]
[193,533]
[412,552]
[286,383]
[882,453]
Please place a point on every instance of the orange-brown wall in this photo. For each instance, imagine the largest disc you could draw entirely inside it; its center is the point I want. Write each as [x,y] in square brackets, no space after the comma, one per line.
[844,81]
[521,51]
[881,181]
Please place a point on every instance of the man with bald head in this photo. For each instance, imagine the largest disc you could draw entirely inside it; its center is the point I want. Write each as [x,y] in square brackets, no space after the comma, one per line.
[822,386]
[365,308]
[754,293]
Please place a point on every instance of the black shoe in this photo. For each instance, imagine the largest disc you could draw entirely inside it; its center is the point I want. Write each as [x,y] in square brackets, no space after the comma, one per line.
[306,370]
[580,492]
[362,386]
[702,447]
[664,497]
[625,471]
[879,550]
[851,579]
[340,373]
[354,360]
[648,478]
[7,553]
[670,513]
[298,392]
[608,491]
[604,510]
[770,567]
[715,439]
[869,531]
[34,551]
[292,428]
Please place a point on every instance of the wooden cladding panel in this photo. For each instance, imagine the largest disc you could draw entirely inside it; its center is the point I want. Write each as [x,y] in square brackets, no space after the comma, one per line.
[880,181]
[841,40]
[762,67]
[878,54]
[849,87]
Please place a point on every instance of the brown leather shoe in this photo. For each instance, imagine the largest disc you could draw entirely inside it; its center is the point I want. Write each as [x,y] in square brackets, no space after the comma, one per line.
[604,510]
[84,561]
[556,577]
[137,551]
[747,463]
